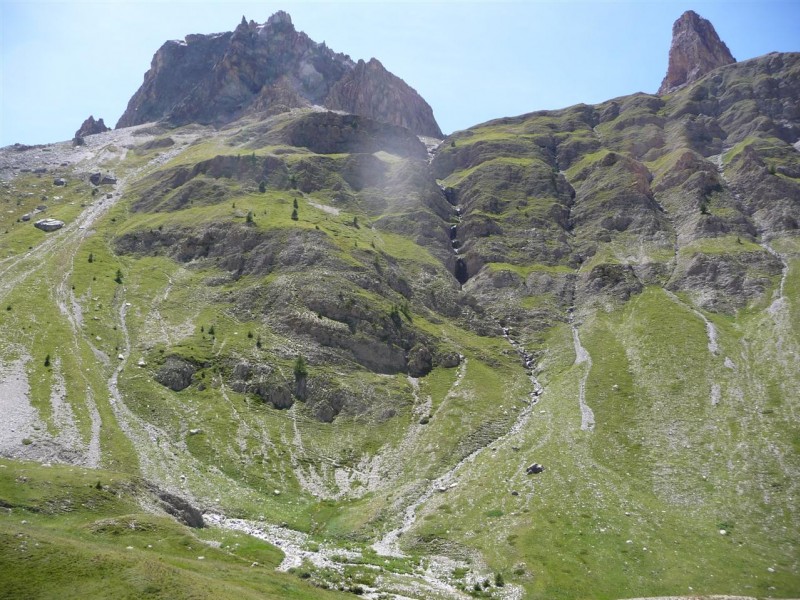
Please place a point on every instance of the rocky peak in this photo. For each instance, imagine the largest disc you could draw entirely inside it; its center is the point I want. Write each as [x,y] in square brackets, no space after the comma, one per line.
[269,68]
[280,19]
[89,127]
[695,50]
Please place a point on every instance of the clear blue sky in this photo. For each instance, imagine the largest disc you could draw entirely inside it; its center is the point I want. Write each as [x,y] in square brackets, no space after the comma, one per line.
[472,61]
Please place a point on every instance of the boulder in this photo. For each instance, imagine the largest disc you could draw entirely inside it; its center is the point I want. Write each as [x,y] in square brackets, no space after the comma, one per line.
[48,224]
[100,179]
[534,469]
[59,181]
[420,361]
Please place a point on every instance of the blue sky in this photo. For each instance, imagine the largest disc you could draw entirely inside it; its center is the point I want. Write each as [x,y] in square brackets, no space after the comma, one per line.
[472,61]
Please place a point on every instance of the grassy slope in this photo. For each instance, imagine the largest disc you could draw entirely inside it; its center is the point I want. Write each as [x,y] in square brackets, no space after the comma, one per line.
[635,507]
[61,537]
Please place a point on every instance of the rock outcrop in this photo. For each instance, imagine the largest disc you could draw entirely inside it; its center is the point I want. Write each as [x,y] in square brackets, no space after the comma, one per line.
[268,68]
[696,50]
[89,127]
[176,373]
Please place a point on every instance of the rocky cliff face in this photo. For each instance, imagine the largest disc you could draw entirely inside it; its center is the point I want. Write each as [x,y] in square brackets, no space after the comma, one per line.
[370,90]
[269,68]
[696,50]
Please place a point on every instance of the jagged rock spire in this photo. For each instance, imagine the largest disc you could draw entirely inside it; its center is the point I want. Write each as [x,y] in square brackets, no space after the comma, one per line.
[696,49]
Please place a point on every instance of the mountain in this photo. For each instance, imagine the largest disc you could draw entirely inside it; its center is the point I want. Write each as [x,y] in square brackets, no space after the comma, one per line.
[554,355]
[264,69]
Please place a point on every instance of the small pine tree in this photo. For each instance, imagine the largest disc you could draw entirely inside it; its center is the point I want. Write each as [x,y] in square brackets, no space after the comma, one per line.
[294,214]
[118,278]
[211,330]
[294,203]
[249,218]
[262,187]
[300,368]
[355,223]
[404,308]
[47,361]
[498,580]
[91,257]
[394,315]
[258,342]
[250,335]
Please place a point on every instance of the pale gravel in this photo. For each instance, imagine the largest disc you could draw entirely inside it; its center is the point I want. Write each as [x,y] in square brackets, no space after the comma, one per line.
[582,356]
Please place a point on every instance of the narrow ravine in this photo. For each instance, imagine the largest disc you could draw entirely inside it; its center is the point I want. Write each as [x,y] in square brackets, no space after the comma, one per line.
[460,268]
[780,302]
[389,544]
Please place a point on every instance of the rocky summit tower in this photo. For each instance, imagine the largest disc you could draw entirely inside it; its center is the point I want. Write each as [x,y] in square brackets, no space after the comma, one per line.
[696,49]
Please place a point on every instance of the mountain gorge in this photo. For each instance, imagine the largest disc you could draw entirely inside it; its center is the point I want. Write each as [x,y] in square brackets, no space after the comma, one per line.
[551,355]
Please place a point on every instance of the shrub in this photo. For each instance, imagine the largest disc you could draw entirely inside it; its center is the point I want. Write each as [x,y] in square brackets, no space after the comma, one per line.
[118,278]
[47,361]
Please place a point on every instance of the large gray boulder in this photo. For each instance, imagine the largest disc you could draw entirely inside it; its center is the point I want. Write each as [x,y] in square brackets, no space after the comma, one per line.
[48,224]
